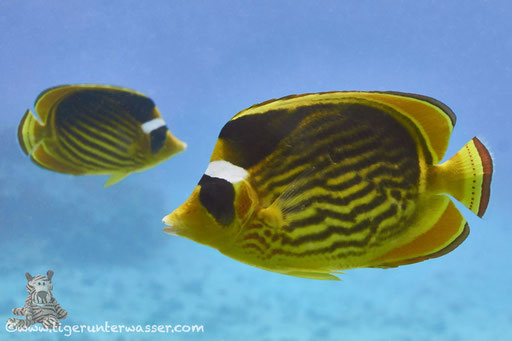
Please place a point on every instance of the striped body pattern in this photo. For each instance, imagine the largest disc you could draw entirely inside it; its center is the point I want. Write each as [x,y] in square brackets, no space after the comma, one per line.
[307,185]
[94,129]
[40,305]
[356,189]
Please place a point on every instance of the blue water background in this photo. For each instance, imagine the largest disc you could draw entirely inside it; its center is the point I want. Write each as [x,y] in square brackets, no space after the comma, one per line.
[202,62]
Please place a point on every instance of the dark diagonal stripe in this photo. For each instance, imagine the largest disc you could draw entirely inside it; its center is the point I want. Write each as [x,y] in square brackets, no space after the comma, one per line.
[347,252]
[334,134]
[345,185]
[108,142]
[358,243]
[109,119]
[385,168]
[367,161]
[409,179]
[68,158]
[326,233]
[376,124]
[372,225]
[79,160]
[322,213]
[118,120]
[346,167]
[98,151]
[369,154]
[111,126]
[388,183]
[339,201]
[81,136]
[319,181]
[314,153]
[88,146]
[338,150]
[85,154]
[108,128]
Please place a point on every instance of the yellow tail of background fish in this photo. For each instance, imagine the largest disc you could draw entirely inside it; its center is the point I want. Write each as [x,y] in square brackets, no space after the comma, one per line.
[30,132]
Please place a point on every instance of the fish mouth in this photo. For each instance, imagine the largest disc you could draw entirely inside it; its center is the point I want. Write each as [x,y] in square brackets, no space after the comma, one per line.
[171,227]
[179,146]
[183,146]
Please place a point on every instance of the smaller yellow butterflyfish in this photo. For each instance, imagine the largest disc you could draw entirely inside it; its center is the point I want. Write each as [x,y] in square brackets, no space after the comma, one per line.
[96,129]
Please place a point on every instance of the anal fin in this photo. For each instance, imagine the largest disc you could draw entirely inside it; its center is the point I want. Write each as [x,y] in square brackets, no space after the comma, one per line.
[444,236]
[43,158]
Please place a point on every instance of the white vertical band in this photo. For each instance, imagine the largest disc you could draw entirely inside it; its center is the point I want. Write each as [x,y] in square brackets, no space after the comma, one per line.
[153,124]
[225,170]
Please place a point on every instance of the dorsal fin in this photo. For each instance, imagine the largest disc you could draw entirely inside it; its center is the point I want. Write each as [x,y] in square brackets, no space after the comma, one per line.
[433,120]
[48,98]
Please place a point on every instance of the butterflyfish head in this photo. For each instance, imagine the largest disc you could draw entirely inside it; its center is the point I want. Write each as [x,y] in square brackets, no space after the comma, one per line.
[218,208]
[159,144]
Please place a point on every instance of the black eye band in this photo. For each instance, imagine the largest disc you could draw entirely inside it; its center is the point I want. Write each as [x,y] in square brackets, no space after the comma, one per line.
[158,137]
[218,196]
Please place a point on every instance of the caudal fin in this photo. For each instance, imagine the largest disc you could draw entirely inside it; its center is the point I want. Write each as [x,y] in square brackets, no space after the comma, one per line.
[467,176]
[30,132]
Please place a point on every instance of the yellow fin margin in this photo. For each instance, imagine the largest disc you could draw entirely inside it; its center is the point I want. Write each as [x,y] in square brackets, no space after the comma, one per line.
[433,119]
[443,237]
[30,132]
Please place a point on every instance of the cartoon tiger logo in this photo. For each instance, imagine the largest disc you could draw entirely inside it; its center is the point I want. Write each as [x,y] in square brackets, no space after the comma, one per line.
[40,305]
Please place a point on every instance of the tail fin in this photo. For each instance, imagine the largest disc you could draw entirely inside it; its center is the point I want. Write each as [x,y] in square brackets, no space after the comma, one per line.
[467,176]
[30,132]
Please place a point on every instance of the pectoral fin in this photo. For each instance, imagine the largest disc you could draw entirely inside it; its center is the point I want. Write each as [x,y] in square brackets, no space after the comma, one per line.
[287,201]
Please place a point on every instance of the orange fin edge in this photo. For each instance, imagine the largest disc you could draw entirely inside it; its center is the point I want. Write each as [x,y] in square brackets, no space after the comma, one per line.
[487,167]
[446,235]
